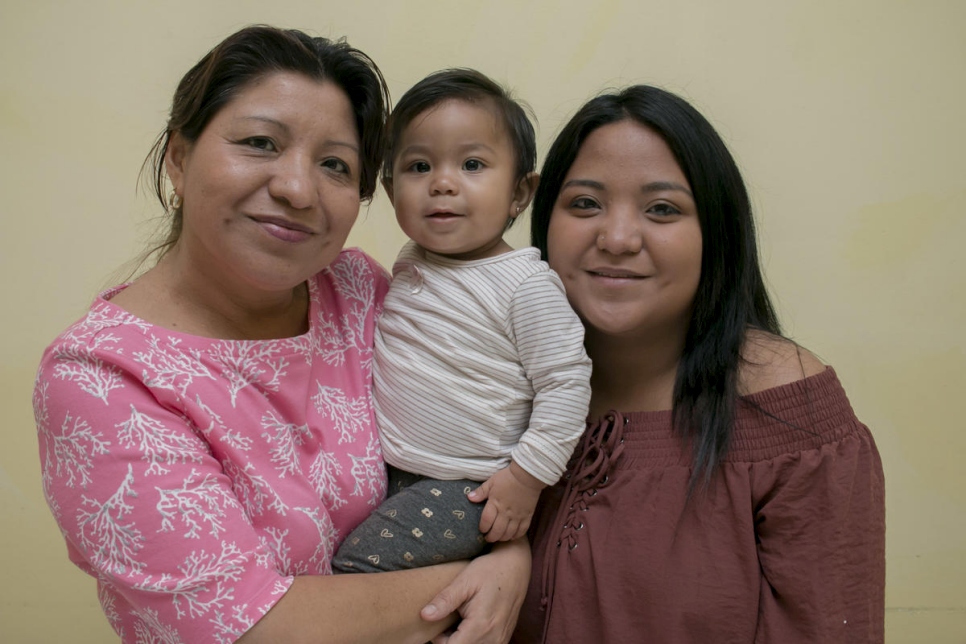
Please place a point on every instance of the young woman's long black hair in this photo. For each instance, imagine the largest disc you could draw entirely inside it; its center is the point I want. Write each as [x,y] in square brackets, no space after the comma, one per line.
[731,297]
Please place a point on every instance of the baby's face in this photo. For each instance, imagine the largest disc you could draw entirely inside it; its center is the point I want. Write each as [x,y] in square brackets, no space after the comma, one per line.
[453,184]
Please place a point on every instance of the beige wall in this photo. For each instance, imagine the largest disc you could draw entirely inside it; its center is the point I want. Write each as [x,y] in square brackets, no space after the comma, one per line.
[846,117]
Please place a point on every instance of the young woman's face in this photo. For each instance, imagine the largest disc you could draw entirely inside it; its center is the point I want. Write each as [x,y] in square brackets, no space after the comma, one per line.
[453,180]
[624,235]
[271,187]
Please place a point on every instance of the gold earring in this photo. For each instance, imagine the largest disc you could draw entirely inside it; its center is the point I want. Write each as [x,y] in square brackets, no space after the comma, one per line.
[175,201]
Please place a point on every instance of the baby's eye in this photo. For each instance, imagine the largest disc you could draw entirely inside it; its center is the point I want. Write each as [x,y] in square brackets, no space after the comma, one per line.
[472,165]
[663,210]
[337,165]
[260,143]
[419,166]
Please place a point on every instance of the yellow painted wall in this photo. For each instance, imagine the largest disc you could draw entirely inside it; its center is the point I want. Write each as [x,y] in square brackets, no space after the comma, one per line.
[847,117]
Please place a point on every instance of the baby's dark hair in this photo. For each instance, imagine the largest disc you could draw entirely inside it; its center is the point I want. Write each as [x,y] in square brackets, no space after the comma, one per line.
[474,87]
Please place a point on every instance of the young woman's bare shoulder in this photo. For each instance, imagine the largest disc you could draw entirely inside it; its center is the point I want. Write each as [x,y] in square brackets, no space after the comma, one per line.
[772,361]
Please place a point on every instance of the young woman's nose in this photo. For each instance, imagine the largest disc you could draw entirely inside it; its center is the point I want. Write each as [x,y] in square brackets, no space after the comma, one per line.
[621,231]
[292,181]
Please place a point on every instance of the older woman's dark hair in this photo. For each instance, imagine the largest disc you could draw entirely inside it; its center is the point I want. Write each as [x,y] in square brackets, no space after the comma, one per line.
[731,295]
[474,87]
[252,53]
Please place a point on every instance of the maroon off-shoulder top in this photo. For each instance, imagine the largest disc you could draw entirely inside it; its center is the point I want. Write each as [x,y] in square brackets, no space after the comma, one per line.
[786,545]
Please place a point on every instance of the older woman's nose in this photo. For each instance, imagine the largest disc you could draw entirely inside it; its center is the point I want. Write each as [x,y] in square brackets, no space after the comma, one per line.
[621,231]
[293,181]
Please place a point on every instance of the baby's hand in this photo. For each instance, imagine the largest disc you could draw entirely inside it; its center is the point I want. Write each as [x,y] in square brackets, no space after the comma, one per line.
[511,495]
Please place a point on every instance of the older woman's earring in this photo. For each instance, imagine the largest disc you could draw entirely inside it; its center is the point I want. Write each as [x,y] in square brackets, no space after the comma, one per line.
[174,201]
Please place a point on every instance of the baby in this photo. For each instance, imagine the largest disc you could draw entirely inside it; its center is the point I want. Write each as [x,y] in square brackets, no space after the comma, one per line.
[480,372]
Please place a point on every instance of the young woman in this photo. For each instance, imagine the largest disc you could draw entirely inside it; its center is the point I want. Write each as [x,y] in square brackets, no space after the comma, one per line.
[724,491]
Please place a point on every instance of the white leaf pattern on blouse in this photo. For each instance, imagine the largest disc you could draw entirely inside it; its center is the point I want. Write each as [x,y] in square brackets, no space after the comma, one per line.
[79,366]
[283,439]
[205,581]
[367,471]
[158,444]
[169,367]
[348,415]
[254,492]
[250,364]
[200,500]
[112,543]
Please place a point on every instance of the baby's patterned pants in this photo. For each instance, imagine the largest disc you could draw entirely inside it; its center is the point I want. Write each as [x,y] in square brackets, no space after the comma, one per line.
[423,522]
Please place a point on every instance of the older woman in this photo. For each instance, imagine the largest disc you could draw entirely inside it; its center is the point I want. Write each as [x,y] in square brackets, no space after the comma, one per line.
[724,490]
[206,432]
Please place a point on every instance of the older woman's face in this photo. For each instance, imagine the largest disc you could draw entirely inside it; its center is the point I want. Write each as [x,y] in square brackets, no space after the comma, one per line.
[271,187]
[624,235]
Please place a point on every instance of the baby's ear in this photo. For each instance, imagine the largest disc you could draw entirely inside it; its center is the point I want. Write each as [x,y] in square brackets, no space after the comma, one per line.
[387,186]
[523,194]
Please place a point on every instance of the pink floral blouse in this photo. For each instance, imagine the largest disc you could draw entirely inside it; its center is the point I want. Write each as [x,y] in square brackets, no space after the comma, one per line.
[195,477]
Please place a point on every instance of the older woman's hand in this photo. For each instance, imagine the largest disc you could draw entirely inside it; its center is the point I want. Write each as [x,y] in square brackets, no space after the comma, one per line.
[488,595]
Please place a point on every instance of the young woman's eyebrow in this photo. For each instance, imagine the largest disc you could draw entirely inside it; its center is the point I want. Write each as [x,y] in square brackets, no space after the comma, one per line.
[654,186]
[583,183]
[664,186]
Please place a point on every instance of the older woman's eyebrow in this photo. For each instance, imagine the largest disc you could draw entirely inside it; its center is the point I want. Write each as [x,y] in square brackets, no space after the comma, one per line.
[285,128]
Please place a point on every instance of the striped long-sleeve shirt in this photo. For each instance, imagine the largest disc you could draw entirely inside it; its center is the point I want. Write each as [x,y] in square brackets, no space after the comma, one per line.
[478,362]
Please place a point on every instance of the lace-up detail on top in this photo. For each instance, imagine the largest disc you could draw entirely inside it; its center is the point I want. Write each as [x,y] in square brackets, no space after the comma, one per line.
[589,470]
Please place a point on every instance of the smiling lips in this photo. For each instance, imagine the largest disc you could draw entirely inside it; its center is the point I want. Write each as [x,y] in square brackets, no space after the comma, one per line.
[284,229]
[614,273]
